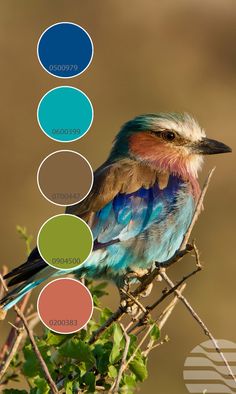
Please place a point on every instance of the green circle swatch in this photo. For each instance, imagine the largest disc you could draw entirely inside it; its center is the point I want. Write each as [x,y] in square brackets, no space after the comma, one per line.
[65,241]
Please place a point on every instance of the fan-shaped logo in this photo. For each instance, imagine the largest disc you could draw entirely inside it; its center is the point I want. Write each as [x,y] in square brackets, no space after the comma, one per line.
[205,371]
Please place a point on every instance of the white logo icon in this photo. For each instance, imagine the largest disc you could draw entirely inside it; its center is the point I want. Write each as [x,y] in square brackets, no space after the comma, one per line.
[205,372]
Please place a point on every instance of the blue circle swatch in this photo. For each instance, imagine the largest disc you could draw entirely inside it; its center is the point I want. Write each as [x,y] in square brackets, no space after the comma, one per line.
[65,114]
[65,50]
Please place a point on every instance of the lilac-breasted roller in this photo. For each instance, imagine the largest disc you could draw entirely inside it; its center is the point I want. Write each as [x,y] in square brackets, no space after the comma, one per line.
[141,203]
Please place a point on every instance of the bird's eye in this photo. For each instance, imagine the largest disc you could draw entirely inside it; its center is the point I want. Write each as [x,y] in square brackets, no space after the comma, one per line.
[168,135]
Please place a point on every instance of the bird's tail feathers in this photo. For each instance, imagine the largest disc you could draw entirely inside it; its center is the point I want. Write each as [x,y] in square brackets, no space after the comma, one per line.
[17,294]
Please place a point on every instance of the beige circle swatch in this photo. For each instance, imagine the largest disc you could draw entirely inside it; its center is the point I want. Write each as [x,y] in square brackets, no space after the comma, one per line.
[65,177]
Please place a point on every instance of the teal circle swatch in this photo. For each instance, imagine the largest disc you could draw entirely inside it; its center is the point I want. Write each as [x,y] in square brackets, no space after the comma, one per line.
[65,241]
[65,114]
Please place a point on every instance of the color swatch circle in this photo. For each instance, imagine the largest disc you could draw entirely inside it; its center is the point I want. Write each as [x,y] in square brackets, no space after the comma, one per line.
[65,177]
[65,50]
[65,241]
[65,114]
[65,305]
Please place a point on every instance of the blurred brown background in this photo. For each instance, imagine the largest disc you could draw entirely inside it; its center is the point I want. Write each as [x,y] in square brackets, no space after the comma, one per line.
[150,56]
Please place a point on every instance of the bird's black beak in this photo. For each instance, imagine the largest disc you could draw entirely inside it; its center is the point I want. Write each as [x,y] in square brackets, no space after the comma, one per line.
[211,147]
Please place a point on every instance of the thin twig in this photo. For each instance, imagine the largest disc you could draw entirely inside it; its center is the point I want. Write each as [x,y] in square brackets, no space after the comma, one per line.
[22,317]
[142,320]
[165,316]
[48,377]
[12,334]
[115,386]
[147,351]
[3,283]
[200,322]
[7,362]
[161,321]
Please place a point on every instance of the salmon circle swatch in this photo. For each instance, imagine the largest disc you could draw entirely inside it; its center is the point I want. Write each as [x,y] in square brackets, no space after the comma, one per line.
[65,305]
[65,241]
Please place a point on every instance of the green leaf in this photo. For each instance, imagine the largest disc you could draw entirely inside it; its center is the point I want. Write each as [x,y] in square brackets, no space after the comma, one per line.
[102,353]
[112,371]
[103,363]
[129,384]
[75,348]
[139,368]
[132,345]
[31,366]
[53,339]
[117,333]
[98,291]
[89,380]
[130,380]
[105,314]
[118,344]
[96,301]
[42,386]
[115,354]
[69,387]
[82,334]
[155,333]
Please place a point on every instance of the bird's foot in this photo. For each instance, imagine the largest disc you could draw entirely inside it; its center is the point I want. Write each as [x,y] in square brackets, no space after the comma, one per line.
[132,310]
[127,303]
[130,304]
[137,274]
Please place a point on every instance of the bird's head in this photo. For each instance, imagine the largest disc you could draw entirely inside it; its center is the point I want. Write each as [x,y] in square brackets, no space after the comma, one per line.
[169,142]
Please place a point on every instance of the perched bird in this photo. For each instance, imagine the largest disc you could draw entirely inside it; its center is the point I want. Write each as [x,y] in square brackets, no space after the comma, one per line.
[141,203]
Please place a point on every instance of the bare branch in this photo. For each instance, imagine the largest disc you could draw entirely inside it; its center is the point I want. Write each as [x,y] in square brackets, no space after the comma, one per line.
[12,334]
[11,354]
[200,322]
[161,321]
[48,377]
[22,317]
[142,320]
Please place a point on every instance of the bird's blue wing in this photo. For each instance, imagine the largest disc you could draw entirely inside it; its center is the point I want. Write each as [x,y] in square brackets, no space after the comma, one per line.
[129,214]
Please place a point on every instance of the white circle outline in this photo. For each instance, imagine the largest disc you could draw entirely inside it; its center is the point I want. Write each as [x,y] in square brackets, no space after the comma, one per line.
[59,332]
[56,88]
[68,23]
[53,153]
[65,269]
